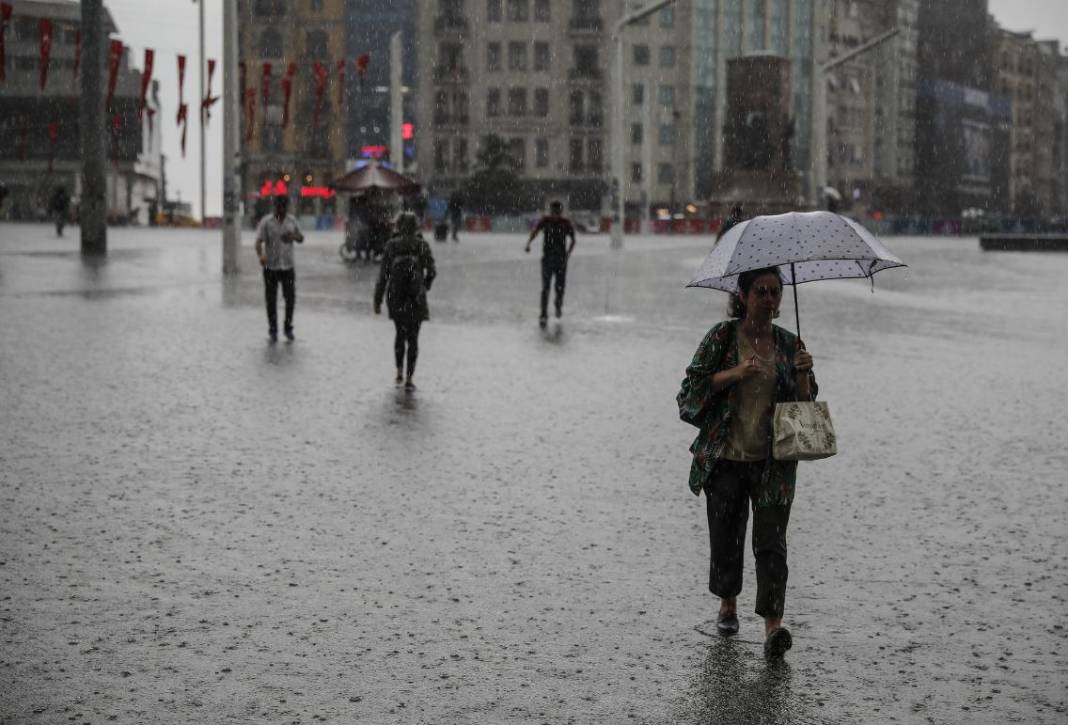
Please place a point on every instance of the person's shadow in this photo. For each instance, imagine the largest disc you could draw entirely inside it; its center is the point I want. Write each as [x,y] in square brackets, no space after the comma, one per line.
[736,684]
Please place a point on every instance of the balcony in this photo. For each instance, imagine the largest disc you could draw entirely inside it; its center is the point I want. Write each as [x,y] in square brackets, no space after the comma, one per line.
[450,24]
[450,74]
[585,75]
[585,24]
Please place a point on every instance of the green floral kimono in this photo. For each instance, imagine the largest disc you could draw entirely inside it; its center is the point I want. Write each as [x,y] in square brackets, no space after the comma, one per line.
[712,412]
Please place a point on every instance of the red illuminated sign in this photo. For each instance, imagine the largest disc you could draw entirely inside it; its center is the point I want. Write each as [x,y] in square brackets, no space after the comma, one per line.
[323,192]
[374,152]
[407,132]
[274,188]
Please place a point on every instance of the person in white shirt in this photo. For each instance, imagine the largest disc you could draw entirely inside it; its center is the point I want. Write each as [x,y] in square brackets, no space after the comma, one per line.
[275,236]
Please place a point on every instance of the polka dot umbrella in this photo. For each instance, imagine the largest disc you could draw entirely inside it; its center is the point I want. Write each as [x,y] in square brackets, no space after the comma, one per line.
[805,246]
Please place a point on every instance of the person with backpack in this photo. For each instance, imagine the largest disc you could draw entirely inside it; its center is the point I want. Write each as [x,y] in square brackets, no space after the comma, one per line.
[554,255]
[404,278]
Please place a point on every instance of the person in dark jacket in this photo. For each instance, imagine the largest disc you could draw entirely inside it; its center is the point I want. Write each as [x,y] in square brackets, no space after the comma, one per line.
[554,255]
[60,206]
[736,216]
[403,280]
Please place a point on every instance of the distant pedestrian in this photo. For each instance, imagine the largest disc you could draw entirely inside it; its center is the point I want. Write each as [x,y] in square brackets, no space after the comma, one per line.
[736,216]
[554,256]
[404,278]
[741,369]
[455,212]
[60,208]
[275,236]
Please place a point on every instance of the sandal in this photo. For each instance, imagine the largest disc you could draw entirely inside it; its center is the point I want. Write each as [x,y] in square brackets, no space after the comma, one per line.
[727,624]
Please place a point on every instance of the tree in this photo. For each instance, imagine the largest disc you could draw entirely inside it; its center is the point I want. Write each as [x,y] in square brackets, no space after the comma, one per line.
[495,187]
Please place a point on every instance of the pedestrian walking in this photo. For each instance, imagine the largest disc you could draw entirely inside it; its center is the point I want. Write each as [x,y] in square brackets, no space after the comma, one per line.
[60,208]
[741,369]
[556,228]
[275,236]
[737,215]
[404,278]
[455,212]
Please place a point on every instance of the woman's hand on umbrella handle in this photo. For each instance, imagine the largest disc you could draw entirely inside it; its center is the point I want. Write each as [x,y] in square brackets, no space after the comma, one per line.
[803,361]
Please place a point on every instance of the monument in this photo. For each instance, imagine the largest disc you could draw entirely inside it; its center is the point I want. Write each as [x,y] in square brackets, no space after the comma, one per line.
[757,138]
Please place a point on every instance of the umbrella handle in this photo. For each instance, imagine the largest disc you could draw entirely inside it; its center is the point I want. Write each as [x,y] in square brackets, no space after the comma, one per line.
[797,312]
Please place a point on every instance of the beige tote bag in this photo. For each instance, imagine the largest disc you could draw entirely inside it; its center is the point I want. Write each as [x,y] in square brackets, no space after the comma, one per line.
[802,431]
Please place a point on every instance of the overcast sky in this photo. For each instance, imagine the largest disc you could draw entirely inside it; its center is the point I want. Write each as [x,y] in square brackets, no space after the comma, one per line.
[170,27]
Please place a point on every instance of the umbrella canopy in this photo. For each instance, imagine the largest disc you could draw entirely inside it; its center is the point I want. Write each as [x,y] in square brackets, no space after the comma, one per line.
[373,176]
[806,246]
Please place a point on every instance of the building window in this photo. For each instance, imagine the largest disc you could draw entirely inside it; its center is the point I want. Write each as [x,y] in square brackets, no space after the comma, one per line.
[270,44]
[493,102]
[666,95]
[441,155]
[517,149]
[270,8]
[594,109]
[575,104]
[517,56]
[441,107]
[541,56]
[272,137]
[541,102]
[636,173]
[641,55]
[575,156]
[518,10]
[667,17]
[665,174]
[316,45]
[517,101]
[541,10]
[586,64]
[667,134]
[459,154]
[541,152]
[637,94]
[316,5]
[596,154]
[493,11]
[636,134]
[667,56]
[493,56]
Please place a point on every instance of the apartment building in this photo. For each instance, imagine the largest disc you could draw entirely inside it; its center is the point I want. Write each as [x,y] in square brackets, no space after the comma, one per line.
[533,74]
[894,66]
[40,131]
[850,106]
[287,44]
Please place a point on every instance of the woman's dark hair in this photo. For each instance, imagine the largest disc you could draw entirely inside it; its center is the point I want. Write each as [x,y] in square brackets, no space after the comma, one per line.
[735,308]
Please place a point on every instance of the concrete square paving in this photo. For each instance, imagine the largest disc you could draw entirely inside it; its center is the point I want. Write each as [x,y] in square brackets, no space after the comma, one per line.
[196,526]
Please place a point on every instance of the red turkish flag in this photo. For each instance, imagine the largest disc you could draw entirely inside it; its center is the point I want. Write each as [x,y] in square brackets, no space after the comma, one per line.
[208,101]
[5,17]
[183,121]
[287,90]
[114,61]
[321,74]
[77,56]
[44,28]
[266,84]
[250,112]
[181,80]
[362,61]
[146,78]
[341,84]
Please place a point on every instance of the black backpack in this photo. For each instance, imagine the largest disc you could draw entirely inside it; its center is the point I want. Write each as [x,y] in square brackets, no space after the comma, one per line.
[405,277]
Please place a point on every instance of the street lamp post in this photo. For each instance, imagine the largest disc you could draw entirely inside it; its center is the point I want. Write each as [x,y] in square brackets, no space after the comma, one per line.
[819,111]
[231,158]
[619,146]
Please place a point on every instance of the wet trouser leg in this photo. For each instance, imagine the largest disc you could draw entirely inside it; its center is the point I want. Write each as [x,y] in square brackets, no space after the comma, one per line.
[407,336]
[288,279]
[727,495]
[270,290]
[552,271]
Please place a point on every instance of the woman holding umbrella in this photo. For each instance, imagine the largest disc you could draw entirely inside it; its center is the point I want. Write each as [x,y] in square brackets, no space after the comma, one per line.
[741,369]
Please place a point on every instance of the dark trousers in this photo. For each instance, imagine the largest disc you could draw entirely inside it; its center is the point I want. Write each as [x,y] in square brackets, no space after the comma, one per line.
[407,337]
[727,494]
[550,270]
[271,279]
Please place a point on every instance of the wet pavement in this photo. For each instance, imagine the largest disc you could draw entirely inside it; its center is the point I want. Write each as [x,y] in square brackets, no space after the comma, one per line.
[196,526]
